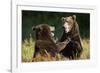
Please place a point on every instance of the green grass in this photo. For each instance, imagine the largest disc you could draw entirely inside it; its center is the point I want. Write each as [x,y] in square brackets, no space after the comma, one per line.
[28,52]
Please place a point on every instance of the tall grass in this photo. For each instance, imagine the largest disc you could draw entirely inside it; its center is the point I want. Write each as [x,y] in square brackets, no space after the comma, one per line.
[86,49]
[28,52]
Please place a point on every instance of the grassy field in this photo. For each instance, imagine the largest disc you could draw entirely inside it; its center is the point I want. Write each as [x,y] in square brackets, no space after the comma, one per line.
[28,52]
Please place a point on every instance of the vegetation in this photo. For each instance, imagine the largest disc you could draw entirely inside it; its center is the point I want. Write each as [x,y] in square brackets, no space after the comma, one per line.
[30,18]
[86,49]
[28,52]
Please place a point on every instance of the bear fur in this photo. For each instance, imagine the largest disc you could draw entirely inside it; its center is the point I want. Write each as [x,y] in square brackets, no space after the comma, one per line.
[45,41]
[73,49]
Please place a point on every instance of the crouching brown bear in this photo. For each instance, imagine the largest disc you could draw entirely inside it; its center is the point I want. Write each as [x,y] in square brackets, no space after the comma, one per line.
[73,49]
[45,41]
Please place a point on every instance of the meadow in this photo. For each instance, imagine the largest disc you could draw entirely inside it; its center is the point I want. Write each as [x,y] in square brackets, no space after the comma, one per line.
[28,49]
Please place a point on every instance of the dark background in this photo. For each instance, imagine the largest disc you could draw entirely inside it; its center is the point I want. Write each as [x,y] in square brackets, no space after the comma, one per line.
[30,18]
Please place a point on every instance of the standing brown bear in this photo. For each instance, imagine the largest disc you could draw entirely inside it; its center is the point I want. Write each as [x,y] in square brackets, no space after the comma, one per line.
[73,49]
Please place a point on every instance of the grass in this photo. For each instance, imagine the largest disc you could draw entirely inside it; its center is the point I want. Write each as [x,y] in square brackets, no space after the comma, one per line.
[86,49]
[28,52]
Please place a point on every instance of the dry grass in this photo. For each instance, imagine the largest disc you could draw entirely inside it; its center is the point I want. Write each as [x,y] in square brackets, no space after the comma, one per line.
[28,52]
[86,49]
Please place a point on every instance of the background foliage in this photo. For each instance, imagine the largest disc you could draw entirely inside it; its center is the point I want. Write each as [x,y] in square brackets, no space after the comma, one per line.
[30,18]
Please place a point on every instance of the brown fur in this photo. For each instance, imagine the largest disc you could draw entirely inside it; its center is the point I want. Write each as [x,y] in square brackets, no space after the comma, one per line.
[44,40]
[74,48]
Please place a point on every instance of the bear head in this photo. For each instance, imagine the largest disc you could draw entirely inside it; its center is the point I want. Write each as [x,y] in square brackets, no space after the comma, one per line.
[68,23]
[43,31]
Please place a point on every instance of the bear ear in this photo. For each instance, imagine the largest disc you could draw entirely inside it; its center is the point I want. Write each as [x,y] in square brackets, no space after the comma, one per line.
[74,17]
[63,18]
[33,28]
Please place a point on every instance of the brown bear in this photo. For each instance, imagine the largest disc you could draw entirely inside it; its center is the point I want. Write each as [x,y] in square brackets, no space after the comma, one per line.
[44,40]
[74,48]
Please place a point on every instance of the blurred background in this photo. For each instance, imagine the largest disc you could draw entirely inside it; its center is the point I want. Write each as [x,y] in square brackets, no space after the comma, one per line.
[30,18]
